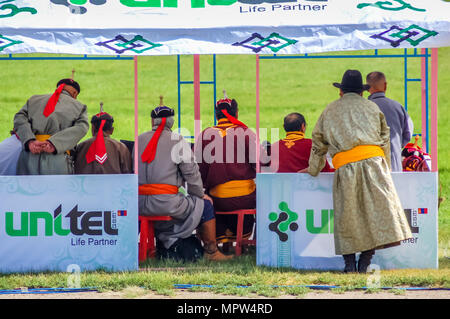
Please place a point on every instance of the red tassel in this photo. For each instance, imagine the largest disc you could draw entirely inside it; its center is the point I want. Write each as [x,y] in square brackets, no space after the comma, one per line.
[97,150]
[50,107]
[232,119]
[150,150]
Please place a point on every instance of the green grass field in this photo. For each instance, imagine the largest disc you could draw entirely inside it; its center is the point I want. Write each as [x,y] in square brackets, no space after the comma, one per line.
[286,85]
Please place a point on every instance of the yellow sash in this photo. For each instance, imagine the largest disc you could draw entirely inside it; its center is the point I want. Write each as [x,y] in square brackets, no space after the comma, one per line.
[356,154]
[234,188]
[42,137]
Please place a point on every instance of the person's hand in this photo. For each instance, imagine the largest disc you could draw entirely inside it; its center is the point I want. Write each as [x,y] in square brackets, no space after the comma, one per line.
[208,198]
[305,170]
[48,147]
[35,147]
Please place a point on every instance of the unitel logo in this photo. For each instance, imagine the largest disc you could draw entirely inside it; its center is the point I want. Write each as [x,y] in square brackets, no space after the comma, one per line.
[94,223]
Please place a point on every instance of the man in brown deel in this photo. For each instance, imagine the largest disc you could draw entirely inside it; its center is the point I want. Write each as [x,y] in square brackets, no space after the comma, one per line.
[102,154]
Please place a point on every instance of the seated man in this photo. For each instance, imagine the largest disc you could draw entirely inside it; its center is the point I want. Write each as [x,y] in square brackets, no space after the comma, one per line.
[167,162]
[49,126]
[226,154]
[295,149]
[101,154]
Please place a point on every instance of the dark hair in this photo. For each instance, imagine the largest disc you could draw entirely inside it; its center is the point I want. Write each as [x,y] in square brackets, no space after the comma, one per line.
[293,122]
[70,82]
[374,77]
[232,110]
[97,120]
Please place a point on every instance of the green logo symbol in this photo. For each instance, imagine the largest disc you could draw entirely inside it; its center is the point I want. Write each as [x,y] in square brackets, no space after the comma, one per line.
[283,222]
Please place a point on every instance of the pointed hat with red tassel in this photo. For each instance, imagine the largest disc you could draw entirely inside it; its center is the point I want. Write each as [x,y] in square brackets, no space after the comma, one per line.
[162,112]
[224,105]
[97,150]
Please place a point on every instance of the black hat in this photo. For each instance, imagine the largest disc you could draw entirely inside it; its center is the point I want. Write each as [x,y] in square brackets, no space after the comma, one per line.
[162,111]
[230,105]
[70,82]
[352,81]
[102,116]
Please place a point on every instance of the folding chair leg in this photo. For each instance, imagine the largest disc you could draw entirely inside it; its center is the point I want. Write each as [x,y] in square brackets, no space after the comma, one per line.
[239,231]
[143,241]
[151,239]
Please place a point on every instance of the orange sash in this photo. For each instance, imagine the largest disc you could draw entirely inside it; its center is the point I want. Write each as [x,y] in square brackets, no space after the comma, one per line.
[358,153]
[157,189]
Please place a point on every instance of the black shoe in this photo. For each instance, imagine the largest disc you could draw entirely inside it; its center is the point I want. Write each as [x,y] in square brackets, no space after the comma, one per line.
[364,260]
[350,263]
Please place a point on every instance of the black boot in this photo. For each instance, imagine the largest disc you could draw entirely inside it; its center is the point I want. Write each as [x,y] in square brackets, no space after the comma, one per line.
[350,263]
[364,260]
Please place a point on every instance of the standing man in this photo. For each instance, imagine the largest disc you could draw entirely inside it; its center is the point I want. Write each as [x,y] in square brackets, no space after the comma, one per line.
[367,211]
[294,150]
[49,126]
[398,120]
[102,154]
[167,162]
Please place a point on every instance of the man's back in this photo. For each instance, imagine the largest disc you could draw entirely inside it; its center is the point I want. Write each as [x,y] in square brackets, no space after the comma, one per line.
[64,128]
[117,162]
[351,121]
[399,123]
[227,153]
[66,111]
[293,154]
[346,123]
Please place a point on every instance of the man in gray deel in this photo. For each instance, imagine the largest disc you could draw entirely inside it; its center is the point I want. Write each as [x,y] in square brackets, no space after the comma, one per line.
[398,120]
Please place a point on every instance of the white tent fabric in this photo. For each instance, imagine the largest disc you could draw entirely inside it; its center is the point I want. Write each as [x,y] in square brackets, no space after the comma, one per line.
[165,27]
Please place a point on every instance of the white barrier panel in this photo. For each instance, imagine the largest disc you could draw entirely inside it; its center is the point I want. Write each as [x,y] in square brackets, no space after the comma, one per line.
[295,222]
[56,223]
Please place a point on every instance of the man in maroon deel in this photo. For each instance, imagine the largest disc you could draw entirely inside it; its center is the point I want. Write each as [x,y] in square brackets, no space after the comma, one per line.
[226,154]
[294,150]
